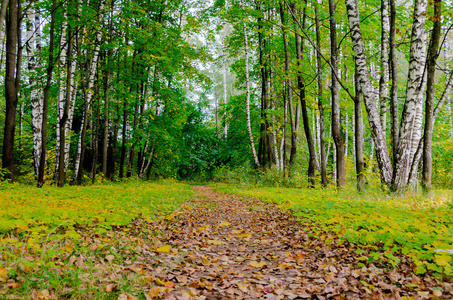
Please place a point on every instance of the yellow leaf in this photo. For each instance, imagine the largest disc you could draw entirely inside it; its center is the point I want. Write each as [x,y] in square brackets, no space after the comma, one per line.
[159,282]
[285,265]
[442,259]
[3,273]
[244,235]
[256,264]
[154,292]
[225,224]
[164,249]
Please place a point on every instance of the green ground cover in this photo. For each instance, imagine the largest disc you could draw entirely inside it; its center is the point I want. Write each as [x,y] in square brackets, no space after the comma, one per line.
[59,243]
[31,209]
[384,225]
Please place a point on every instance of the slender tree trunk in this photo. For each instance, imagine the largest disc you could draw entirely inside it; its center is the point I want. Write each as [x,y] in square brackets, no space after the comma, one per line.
[65,114]
[302,97]
[359,137]
[346,136]
[377,134]
[336,131]
[384,78]
[3,13]
[394,110]
[289,89]
[247,94]
[322,138]
[35,96]
[433,54]
[50,67]
[63,87]
[414,83]
[12,79]
[106,114]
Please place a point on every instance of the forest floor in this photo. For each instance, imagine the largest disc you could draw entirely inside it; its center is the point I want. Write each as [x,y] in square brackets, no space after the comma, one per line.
[215,246]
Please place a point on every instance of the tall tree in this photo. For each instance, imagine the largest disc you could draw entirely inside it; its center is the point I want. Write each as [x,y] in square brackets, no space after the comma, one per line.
[247,92]
[377,134]
[336,130]
[12,80]
[433,54]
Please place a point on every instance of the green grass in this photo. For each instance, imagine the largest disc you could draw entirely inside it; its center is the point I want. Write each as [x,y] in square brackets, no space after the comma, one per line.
[25,207]
[66,242]
[412,224]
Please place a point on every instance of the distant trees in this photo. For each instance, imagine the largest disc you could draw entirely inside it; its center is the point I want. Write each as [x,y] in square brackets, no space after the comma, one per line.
[115,89]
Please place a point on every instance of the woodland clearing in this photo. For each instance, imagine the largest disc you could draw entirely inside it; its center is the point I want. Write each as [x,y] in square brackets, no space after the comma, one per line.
[173,241]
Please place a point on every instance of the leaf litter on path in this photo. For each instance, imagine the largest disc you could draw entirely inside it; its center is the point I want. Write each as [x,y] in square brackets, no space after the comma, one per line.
[230,251]
[220,247]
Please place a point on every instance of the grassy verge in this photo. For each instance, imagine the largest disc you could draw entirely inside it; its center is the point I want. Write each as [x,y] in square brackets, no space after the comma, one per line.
[384,225]
[68,242]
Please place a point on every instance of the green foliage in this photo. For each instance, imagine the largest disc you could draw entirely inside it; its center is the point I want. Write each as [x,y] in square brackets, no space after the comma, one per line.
[413,225]
[37,212]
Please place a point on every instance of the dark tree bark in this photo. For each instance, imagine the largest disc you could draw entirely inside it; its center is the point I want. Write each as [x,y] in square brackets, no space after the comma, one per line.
[301,88]
[12,79]
[336,131]
[394,110]
[433,54]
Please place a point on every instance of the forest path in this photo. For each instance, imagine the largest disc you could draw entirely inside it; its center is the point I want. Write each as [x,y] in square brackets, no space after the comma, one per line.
[236,248]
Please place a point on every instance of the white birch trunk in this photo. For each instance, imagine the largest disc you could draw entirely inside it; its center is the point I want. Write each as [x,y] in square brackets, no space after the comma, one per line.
[383,82]
[417,56]
[247,93]
[334,163]
[35,96]
[62,88]
[377,133]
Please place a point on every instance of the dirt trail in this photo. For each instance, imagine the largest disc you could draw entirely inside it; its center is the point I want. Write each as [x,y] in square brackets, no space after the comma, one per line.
[232,248]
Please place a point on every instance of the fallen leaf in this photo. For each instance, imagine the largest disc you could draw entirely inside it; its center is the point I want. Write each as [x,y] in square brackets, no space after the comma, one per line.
[109,288]
[225,224]
[164,249]
[154,292]
[256,264]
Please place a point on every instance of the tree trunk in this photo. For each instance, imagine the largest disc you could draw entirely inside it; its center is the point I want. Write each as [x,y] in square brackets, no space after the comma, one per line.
[247,94]
[384,78]
[65,114]
[3,13]
[336,131]
[433,54]
[394,110]
[289,89]
[106,114]
[322,138]
[414,82]
[63,87]
[35,96]
[377,134]
[12,79]
[359,137]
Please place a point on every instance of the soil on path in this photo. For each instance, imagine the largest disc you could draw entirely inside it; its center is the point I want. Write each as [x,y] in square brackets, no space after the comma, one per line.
[233,248]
